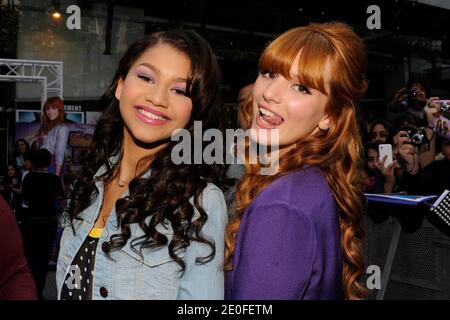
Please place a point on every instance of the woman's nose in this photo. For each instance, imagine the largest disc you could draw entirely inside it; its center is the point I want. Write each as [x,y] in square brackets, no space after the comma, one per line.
[157,95]
[274,90]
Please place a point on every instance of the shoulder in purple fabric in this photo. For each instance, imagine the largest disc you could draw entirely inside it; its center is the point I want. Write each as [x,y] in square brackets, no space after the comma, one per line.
[288,244]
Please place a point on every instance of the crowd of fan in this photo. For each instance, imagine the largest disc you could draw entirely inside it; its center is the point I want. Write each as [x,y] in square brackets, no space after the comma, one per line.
[420,148]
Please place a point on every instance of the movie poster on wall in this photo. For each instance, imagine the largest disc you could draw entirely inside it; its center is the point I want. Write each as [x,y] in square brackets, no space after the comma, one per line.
[73,134]
[79,138]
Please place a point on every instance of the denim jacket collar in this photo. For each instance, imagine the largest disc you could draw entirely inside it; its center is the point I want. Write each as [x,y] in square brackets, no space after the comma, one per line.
[91,214]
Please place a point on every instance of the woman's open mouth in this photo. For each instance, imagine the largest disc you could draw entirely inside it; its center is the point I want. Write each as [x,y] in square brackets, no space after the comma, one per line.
[150,116]
[268,119]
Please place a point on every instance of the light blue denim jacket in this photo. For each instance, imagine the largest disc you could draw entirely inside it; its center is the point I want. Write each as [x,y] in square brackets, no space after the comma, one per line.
[157,276]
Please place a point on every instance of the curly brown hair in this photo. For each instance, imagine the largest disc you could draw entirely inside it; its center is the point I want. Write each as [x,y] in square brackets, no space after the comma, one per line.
[164,196]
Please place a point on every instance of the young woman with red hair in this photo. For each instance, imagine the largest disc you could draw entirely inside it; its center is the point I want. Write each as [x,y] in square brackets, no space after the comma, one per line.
[297,233]
[53,134]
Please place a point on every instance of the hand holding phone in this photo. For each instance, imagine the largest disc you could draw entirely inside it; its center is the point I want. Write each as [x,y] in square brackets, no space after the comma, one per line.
[385,150]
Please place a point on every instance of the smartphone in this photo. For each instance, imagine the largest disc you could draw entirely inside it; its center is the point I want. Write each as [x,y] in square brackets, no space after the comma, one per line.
[385,150]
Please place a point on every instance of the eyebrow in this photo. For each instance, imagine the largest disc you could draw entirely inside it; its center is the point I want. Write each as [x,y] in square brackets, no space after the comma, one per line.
[158,72]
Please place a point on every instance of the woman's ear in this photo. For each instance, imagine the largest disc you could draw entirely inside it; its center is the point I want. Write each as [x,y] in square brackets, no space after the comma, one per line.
[119,89]
[324,124]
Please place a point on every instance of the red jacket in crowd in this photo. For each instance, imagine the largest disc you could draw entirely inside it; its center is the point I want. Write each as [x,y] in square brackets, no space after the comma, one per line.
[16,280]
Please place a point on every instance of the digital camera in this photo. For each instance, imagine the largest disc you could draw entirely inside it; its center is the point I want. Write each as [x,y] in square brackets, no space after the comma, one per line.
[408,102]
[445,106]
[418,136]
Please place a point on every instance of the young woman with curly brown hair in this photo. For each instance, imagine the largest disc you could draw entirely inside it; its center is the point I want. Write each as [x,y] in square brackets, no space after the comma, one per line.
[141,226]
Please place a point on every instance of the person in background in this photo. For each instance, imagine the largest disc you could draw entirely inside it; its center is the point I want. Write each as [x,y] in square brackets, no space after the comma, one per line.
[435,178]
[446,149]
[378,178]
[373,176]
[16,280]
[27,164]
[43,193]
[235,171]
[415,101]
[406,164]
[11,190]
[380,130]
[21,147]
[413,97]
[21,204]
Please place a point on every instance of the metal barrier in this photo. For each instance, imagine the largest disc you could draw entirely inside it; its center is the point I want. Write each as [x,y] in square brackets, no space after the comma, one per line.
[412,249]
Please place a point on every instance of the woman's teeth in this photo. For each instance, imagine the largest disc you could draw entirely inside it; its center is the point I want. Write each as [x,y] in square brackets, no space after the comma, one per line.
[269,117]
[265,112]
[150,115]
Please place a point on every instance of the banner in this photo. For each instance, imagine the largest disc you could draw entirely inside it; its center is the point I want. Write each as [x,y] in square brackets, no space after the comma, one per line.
[79,139]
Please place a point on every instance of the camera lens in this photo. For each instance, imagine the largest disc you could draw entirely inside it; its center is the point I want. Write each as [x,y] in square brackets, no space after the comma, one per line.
[417,138]
[445,106]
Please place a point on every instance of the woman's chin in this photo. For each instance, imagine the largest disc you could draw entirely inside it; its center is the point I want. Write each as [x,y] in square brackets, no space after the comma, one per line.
[265,137]
[143,139]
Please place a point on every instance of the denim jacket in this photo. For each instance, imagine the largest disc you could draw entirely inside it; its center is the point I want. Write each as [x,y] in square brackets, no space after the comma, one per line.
[157,275]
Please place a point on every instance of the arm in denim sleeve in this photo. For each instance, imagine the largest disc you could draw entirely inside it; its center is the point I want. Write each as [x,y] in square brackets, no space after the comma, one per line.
[206,281]
[278,248]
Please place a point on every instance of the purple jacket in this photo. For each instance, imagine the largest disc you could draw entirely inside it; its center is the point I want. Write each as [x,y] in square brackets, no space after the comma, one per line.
[288,244]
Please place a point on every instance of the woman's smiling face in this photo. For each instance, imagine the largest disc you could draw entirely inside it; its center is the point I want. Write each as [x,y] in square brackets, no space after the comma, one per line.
[52,113]
[296,110]
[153,100]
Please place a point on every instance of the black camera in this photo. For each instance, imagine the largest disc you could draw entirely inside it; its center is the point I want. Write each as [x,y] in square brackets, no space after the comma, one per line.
[418,136]
[408,103]
[444,104]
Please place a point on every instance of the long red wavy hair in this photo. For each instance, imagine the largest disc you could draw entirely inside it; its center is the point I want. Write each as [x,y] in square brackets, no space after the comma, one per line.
[47,124]
[338,151]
